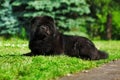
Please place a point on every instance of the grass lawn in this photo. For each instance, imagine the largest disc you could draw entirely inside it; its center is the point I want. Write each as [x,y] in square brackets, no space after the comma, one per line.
[46,67]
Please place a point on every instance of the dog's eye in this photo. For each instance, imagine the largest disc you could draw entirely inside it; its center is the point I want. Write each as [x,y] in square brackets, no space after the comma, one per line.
[44,27]
[39,25]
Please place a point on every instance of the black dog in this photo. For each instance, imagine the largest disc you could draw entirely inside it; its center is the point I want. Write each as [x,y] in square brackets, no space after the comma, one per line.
[45,39]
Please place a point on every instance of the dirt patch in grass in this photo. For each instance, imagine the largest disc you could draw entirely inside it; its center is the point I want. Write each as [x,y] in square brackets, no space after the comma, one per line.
[109,71]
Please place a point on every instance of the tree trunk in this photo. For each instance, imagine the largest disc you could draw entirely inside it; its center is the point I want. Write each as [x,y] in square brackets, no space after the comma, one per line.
[109,27]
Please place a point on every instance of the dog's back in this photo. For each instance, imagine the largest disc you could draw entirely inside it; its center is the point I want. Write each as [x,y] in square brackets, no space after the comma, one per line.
[77,46]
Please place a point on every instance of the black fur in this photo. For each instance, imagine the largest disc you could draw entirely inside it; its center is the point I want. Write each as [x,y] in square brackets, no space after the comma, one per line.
[45,39]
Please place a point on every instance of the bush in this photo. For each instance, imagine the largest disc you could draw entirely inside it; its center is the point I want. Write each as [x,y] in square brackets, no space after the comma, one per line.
[70,15]
[76,17]
[8,22]
[116,25]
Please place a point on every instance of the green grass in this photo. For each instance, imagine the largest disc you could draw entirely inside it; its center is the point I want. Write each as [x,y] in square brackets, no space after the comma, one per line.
[46,67]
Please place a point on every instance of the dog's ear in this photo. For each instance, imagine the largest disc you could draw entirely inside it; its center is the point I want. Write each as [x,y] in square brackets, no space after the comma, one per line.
[32,27]
[42,18]
[33,20]
[48,18]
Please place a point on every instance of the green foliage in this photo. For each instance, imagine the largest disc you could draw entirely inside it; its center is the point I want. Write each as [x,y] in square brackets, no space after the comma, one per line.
[67,13]
[23,33]
[99,11]
[8,22]
[45,67]
[116,24]
[76,17]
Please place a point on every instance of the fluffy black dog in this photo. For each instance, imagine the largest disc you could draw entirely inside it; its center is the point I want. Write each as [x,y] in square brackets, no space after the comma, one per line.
[45,39]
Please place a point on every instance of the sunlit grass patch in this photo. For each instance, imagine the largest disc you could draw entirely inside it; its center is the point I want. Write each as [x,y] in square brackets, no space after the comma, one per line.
[46,67]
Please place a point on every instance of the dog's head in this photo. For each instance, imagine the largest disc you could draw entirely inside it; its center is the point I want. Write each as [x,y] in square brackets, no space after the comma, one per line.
[42,27]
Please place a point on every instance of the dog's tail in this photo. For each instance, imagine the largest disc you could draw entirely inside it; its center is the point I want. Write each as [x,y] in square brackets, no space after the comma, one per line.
[102,55]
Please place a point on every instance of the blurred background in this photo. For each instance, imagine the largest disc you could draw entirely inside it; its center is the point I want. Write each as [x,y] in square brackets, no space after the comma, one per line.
[95,19]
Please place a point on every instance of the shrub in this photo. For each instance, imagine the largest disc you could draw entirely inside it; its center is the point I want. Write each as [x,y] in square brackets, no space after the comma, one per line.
[70,15]
[8,22]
